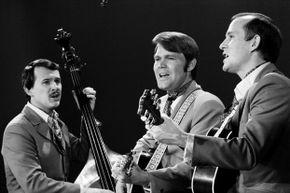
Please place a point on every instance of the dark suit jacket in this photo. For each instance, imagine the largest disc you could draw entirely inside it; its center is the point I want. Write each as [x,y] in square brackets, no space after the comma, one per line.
[33,163]
[262,149]
[204,112]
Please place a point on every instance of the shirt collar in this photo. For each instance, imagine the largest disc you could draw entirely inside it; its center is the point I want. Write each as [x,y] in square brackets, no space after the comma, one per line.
[38,111]
[244,85]
[193,85]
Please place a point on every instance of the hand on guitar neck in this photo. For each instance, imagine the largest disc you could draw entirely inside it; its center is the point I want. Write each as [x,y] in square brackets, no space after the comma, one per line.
[148,108]
[162,128]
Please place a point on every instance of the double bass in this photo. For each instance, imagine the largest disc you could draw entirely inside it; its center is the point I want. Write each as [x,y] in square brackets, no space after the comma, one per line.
[73,64]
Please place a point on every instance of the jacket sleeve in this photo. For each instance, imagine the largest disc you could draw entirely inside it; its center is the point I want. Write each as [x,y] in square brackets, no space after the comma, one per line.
[172,179]
[80,146]
[205,112]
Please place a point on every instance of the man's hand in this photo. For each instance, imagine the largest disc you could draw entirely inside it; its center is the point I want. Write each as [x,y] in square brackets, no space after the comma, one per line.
[118,168]
[90,94]
[136,176]
[168,132]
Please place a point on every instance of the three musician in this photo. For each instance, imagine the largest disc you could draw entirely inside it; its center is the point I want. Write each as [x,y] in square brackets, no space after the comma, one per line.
[37,145]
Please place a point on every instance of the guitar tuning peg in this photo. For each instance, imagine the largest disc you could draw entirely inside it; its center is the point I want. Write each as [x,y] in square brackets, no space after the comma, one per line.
[153,91]
[143,118]
[141,110]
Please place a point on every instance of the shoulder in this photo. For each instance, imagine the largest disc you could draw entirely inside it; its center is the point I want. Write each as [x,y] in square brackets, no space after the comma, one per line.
[18,125]
[17,134]
[205,97]
[273,82]
[275,77]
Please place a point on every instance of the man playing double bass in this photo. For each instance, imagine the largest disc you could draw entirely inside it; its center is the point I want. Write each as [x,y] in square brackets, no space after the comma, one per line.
[37,146]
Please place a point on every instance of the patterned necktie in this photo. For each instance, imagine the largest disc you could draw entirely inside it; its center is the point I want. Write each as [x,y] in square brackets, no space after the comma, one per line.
[54,125]
[167,106]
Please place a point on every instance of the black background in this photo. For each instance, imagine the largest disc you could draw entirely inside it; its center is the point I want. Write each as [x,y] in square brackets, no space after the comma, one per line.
[115,42]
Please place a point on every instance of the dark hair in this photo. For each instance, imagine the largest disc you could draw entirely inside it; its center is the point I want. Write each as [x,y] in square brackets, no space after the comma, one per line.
[180,43]
[271,38]
[28,78]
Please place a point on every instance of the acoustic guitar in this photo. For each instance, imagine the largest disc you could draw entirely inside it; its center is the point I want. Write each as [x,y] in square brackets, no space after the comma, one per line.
[211,179]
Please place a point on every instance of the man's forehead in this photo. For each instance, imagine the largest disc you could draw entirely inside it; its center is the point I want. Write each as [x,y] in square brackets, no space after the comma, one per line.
[238,23]
[242,20]
[160,49]
[45,72]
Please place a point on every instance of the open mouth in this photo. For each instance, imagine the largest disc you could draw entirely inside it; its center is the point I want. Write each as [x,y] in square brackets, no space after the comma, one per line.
[225,55]
[163,75]
[54,95]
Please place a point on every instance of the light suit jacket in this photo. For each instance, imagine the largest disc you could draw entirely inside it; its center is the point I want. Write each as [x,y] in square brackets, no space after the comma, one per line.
[33,163]
[262,149]
[204,112]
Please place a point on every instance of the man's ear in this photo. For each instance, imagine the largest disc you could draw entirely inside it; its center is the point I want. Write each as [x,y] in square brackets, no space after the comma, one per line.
[255,42]
[191,65]
[28,92]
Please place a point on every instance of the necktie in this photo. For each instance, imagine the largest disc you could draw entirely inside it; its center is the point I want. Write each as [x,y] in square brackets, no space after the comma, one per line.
[167,106]
[56,129]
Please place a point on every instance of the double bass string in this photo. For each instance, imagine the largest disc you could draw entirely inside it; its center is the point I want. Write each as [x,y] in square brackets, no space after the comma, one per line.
[97,143]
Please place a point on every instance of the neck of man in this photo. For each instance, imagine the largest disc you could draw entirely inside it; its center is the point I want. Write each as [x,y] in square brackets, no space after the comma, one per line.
[181,89]
[250,66]
[46,110]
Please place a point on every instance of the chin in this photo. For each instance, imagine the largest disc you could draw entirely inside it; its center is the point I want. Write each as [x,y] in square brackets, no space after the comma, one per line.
[55,105]
[161,86]
[225,68]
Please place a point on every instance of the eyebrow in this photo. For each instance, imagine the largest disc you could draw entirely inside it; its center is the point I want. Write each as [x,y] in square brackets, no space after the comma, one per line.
[229,33]
[51,78]
[167,55]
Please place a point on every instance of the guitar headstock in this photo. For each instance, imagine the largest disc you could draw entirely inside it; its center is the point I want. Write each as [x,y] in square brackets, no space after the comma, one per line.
[149,107]
[68,52]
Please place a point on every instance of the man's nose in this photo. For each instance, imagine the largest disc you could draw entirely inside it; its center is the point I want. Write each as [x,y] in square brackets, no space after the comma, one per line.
[223,45]
[55,85]
[162,63]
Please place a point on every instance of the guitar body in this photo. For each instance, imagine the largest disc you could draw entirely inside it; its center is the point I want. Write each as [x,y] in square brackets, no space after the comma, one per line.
[211,179]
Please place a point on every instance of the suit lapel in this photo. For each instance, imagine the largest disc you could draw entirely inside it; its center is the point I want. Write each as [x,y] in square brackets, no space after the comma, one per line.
[38,123]
[42,127]
[65,133]
[237,117]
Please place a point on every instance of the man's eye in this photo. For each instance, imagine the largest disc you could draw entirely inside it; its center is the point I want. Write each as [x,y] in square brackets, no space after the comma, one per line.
[45,82]
[58,81]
